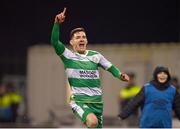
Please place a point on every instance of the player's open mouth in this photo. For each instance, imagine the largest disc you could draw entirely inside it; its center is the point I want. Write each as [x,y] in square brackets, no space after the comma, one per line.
[81,45]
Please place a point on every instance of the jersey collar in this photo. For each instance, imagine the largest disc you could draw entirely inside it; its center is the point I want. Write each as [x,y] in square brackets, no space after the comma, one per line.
[82,55]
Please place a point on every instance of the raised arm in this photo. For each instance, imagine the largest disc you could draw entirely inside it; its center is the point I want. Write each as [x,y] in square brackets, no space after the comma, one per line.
[58,45]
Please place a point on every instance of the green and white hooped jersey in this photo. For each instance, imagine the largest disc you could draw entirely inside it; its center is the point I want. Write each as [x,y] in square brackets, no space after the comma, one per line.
[83,75]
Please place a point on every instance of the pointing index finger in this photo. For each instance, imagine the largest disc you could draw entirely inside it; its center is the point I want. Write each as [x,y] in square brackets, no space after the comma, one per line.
[64,10]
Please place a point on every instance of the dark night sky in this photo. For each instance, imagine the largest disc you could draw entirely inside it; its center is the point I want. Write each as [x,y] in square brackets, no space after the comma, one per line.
[27,22]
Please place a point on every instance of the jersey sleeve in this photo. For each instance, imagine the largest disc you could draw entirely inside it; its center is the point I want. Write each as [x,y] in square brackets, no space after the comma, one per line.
[104,63]
[114,71]
[58,45]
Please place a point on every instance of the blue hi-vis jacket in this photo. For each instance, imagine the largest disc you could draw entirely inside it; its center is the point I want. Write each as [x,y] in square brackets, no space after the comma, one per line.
[157,108]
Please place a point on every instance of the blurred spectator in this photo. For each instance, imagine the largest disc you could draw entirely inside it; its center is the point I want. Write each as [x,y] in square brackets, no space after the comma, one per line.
[157,99]
[126,94]
[175,82]
[16,100]
[5,105]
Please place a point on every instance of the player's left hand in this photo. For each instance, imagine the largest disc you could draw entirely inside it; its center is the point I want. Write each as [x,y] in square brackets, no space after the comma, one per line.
[124,77]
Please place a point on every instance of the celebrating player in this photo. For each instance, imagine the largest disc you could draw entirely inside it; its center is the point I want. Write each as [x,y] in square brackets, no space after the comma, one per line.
[81,66]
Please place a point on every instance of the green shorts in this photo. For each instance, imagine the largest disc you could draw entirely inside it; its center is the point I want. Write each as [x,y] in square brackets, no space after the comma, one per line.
[81,110]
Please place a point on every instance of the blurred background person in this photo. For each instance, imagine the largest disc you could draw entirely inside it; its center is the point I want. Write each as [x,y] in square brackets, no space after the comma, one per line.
[175,82]
[157,99]
[16,100]
[125,95]
[9,103]
[5,105]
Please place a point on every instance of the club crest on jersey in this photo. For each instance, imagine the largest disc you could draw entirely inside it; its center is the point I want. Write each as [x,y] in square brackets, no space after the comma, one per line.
[95,59]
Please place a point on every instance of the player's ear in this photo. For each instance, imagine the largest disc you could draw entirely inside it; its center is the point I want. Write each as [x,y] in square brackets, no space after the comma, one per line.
[71,42]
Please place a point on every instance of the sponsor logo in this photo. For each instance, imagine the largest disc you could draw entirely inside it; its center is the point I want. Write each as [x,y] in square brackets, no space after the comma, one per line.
[88,74]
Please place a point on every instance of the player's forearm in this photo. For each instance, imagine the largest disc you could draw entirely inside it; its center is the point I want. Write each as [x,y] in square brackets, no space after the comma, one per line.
[59,46]
[55,34]
[115,71]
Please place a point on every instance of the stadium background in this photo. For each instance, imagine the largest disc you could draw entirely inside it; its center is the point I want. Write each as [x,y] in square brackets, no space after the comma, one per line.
[128,25]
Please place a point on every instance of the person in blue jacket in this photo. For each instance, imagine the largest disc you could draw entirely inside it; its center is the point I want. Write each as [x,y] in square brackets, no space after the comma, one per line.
[157,100]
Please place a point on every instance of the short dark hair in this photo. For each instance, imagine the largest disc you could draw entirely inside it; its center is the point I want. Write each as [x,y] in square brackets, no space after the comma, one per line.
[76,30]
[131,74]
[174,78]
